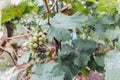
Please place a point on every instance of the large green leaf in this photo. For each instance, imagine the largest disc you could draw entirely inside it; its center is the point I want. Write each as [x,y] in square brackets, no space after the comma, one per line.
[59,33]
[84,48]
[48,71]
[84,45]
[67,56]
[11,12]
[108,6]
[108,19]
[112,65]
[68,22]
[112,34]
[60,23]
[70,70]
[82,58]
[100,29]
[66,50]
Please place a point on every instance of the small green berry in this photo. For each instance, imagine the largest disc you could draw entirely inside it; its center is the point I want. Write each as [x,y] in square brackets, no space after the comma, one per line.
[35,45]
[40,43]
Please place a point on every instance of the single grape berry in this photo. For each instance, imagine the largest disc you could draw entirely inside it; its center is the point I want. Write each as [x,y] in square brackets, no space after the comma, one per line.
[35,45]
[47,53]
[30,44]
[40,43]
[34,39]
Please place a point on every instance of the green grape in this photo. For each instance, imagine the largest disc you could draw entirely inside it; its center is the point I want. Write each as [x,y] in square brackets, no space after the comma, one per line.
[34,39]
[30,44]
[43,38]
[35,45]
[47,53]
[40,39]
[36,54]
[40,43]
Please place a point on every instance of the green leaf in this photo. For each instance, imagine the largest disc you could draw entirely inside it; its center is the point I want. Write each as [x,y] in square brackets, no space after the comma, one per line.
[30,9]
[100,60]
[84,48]
[59,33]
[91,0]
[48,71]
[65,51]
[60,24]
[11,12]
[84,45]
[84,72]
[68,22]
[82,58]
[108,19]
[70,70]
[108,6]
[66,57]
[112,67]
[115,33]
[100,29]
[77,6]
[24,58]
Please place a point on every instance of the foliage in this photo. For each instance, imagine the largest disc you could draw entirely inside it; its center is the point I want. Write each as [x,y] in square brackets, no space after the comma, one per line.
[68,44]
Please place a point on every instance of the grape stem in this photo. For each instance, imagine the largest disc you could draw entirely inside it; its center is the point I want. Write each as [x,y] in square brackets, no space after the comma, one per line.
[53,5]
[19,36]
[24,35]
[47,10]
[9,54]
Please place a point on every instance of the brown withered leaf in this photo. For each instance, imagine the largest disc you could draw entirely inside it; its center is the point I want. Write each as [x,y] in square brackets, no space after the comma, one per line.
[67,10]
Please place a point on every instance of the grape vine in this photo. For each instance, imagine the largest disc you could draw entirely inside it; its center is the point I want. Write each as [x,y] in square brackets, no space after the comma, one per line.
[64,37]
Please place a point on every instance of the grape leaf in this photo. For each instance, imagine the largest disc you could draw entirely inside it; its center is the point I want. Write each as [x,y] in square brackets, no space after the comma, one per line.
[70,70]
[100,60]
[48,71]
[108,19]
[77,6]
[84,45]
[108,6]
[82,58]
[66,50]
[115,33]
[60,23]
[11,12]
[112,67]
[84,50]
[100,29]
[59,33]
[68,22]
[66,57]
[24,58]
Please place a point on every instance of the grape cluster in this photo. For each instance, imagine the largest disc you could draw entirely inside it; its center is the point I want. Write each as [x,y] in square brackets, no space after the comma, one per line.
[37,45]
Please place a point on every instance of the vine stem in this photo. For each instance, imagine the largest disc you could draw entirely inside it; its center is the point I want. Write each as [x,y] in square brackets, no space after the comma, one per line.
[48,10]
[9,54]
[19,36]
[53,5]
[24,35]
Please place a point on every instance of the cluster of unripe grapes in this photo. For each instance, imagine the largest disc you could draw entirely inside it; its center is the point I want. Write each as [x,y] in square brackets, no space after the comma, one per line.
[38,48]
